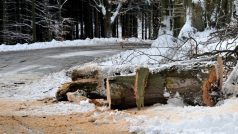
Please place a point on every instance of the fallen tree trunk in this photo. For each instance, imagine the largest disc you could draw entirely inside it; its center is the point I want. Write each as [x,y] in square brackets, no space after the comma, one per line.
[197,86]
[196,82]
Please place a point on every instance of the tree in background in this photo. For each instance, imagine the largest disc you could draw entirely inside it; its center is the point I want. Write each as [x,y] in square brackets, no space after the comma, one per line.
[43,20]
[29,21]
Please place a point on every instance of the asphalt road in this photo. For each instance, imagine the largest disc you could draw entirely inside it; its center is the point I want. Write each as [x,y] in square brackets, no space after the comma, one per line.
[21,67]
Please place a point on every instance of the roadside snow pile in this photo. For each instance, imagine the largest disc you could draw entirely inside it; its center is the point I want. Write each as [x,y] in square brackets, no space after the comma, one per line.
[61,108]
[45,87]
[166,49]
[68,43]
[166,119]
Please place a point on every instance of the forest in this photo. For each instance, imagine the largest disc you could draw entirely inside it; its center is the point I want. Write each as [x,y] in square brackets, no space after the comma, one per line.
[28,21]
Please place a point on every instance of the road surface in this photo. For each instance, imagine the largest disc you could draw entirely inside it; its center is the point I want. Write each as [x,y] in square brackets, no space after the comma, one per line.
[22,67]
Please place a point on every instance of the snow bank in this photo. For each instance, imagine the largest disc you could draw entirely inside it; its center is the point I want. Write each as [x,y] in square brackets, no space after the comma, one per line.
[186,120]
[167,49]
[67,43]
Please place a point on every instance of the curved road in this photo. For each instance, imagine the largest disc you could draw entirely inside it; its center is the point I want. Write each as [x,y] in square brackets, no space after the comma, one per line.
[21,67]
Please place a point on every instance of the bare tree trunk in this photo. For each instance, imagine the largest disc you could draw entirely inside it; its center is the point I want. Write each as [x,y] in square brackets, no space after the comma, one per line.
[77,30]
[107,25]
[97,24]
[178,16]
[143,26]
[33,21]
[2,12]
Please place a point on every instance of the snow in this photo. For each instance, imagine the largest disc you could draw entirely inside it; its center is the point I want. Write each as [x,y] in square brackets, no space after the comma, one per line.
[148,1]
[197,1]
[187,29]
[103,9]
[61,108]
[68,43]
[236,7]
[44,88]
[115,14]
[166,119]
[231,85]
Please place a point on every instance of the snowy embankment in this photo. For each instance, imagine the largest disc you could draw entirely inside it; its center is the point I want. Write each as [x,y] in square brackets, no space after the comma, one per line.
[173,119]
[74,43]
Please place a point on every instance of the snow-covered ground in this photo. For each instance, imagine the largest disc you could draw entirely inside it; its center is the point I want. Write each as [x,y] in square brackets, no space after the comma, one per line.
[54,43]
[40,89]
[172,118]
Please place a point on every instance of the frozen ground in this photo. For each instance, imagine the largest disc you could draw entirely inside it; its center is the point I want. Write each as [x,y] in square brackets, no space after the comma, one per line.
[61,108]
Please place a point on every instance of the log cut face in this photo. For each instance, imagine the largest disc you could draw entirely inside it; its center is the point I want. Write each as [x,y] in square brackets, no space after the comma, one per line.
[209,85]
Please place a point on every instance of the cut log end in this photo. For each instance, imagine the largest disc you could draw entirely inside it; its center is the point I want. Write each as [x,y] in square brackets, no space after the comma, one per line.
[208,84]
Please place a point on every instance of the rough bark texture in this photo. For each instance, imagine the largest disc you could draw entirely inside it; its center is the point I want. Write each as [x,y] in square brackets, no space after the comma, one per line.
[197,84]
[197,17]
[85,74]
[87,85]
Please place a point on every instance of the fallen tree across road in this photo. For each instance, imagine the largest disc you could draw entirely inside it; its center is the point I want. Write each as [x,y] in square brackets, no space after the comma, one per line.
[196,81]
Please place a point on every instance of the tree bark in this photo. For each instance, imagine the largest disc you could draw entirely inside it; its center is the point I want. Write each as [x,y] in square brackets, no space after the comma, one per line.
[197,17]
[33,21]
[193,85]
[197,83]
